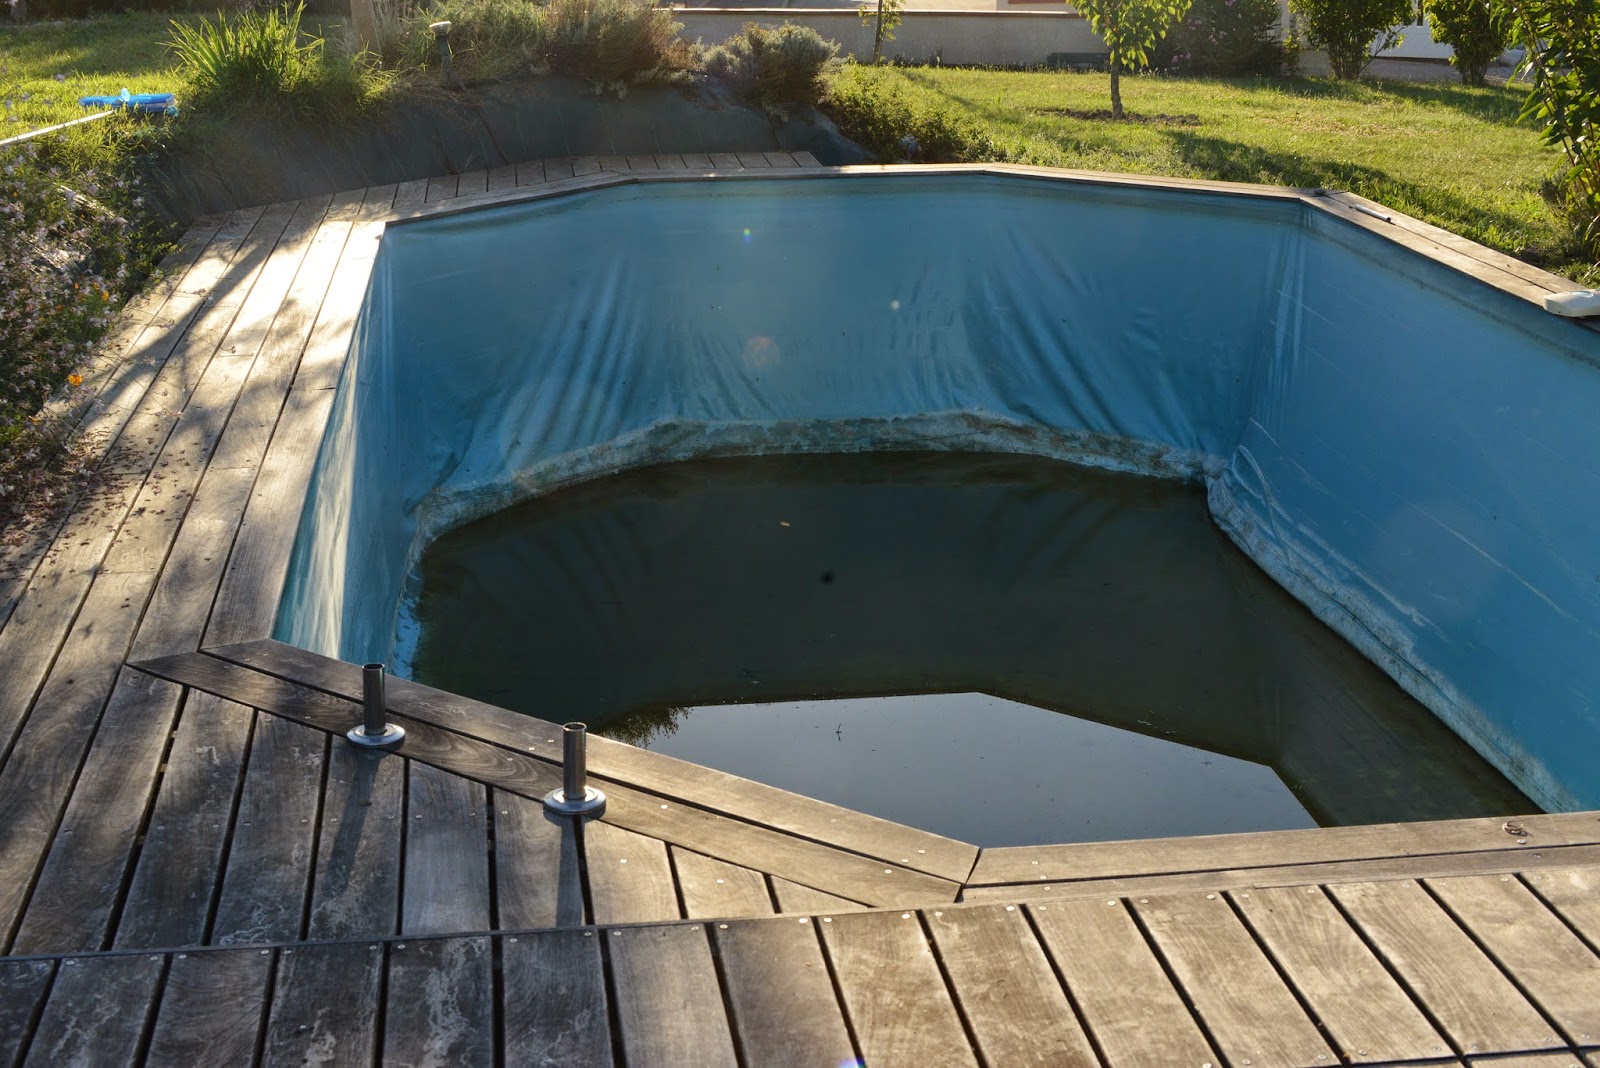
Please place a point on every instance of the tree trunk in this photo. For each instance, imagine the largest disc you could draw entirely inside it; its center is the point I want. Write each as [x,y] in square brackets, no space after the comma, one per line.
[1116,89]
[877,35]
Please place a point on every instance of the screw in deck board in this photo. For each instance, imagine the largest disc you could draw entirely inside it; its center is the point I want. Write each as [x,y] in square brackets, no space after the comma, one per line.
[375,732]
[576,797]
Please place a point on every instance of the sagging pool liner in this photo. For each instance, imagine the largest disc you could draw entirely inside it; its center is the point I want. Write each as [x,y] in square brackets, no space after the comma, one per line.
[1408,451]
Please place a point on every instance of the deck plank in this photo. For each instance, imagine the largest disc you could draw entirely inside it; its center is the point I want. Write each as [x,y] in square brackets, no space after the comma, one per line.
[324,1006]
[1575,894]
[356,890]
[538,872]
[412,194]
[784,1007]
[667,1024]
[1367,1013]
[442,188]
[473,182]
[502,178]
[793,813]
[713,888]
[446,854]
[1462,989]
[1249,1011]
[1486,862]
[23,986]
[555,1000]
[97,1011]
[630,877]
[439,1004]
[902,1015]
[1128,1003]
[1217,852]
[212,1008]
[533,172]
[1006,988]
[83,874]
[268,875]
[169,899]
[1541,953]
[792,897]
[43,765]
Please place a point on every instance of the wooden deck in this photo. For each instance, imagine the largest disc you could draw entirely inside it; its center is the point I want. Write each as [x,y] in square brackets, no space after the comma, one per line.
[196,868]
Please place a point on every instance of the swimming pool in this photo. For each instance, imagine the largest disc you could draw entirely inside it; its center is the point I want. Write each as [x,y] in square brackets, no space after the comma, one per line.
[1407,450]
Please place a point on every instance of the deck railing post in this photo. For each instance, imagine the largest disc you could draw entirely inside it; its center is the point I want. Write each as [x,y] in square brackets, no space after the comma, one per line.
[576,797]
[375,731]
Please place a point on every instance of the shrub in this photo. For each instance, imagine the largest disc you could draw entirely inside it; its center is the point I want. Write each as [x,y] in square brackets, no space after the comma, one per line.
[1226,37]
[1561,39]
[773,69]
[617,43]
[262,61]
[1472,30]
[64,265]
[879,116]
[1347,28]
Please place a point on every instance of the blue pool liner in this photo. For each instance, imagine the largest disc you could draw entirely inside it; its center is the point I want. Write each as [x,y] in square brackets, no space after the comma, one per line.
[1412,453]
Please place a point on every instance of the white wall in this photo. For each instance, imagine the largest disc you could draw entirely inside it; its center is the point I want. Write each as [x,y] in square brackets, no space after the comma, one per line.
[976,38]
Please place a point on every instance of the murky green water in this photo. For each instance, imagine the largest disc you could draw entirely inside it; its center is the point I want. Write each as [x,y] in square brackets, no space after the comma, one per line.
[1002,649]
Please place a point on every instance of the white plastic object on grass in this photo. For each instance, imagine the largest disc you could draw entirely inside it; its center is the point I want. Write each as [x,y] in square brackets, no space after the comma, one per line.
[1574,304]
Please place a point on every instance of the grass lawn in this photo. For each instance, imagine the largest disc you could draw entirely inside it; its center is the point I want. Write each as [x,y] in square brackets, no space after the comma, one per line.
[1454,156]
[46,67]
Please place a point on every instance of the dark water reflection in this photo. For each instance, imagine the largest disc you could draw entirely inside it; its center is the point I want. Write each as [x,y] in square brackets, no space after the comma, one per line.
[1110,600]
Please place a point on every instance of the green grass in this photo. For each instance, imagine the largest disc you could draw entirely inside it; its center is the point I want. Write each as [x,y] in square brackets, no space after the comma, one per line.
[1454,156]
[46,67]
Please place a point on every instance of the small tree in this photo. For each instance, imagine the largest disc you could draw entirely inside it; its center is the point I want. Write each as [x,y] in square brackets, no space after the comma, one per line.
[1475,33]
[885,17]
[1561,39]
[1130,29]
[1347,28]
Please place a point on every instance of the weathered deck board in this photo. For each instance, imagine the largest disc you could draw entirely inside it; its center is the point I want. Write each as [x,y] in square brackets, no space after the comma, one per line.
[1243,1002]
[97,1011]
[447,885]
[325,1006]
[83,874]
[902,1015]
[630,876]
[356,890]
[439,1007]
[1464,991]
[792,897]
[1353,995]
[23,986]
[713,888]
[1575,894]
[1128,1003]
[1207,853]
[267,881]
[1534,946]
[672,1023]
[783,1003]
[212,1008]
[555,1000]
[169,901]
[1011,998]
[43,764]
[538,870]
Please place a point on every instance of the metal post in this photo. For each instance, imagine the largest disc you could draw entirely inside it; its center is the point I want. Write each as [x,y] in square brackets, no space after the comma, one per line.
[441,37]
[576,797]
[375,731]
